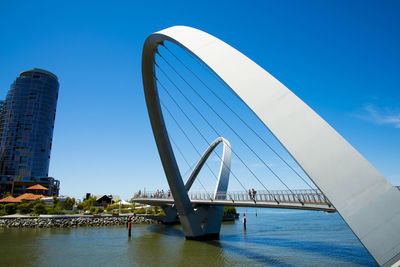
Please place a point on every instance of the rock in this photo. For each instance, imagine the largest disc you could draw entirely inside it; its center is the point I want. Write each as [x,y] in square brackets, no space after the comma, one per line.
[55,222]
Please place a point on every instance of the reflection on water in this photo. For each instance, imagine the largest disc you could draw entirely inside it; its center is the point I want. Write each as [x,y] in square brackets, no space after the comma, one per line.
[273,238]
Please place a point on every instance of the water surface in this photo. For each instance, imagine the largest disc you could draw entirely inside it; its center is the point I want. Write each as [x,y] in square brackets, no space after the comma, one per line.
[273,238]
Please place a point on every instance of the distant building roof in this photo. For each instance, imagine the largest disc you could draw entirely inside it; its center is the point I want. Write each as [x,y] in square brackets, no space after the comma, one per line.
[114,198]
[41,71]
[10,199]
[29,196]
[104,198]
[36,187]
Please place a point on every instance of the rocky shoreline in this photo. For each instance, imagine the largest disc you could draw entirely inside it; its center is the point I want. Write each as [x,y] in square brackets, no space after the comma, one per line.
[71,222]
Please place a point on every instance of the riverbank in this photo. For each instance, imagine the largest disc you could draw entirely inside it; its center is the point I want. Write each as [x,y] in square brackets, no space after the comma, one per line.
[57,221]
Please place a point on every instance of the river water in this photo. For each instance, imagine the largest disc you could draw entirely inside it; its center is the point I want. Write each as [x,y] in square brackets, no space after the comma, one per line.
[273,238]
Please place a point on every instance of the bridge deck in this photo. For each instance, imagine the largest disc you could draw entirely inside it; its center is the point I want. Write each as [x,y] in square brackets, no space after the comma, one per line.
[298,199]
[166,201]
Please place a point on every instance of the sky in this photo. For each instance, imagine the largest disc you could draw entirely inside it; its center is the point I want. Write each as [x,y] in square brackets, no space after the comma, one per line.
[339,57]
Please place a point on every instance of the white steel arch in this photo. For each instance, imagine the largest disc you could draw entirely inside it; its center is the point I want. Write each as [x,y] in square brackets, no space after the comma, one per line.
[213,215]
[367,202]
[224,169]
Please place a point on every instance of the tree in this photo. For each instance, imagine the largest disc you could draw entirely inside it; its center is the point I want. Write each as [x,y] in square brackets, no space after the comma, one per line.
[99,210]
[69,203]
[25,207]
[10,208]
[56,201]
[92,210]
[39,208]
[89,203]
[229,210]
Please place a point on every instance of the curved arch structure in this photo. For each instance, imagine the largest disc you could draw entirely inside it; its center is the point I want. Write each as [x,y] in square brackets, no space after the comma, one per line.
[224,170]
[210,216]
[367,202]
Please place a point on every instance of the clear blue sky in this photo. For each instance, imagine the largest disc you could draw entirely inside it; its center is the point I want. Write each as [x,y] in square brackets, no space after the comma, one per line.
[341,57]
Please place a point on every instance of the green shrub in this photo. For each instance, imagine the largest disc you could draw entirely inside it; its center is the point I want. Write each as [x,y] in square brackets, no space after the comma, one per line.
[229,210]
[89,203]
[161,213]
[140,211]
[99,210]
[25,207]
[125,210]
[115,206]
[69,203]
[10,208]
[149,211]
[2,211]
[109,208]
[55,211]
[79,206]
[156,209]
[39,208]
[56,201]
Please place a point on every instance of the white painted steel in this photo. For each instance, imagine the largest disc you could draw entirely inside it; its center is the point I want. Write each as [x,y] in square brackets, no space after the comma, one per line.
[220,188]
[240,203]
[368,203]
[224,169]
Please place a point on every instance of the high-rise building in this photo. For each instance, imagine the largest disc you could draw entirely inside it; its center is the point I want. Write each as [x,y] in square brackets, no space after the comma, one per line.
[26,132]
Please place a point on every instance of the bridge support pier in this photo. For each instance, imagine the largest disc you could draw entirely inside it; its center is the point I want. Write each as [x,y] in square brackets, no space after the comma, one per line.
[208,217]
[171,214]
[211,218]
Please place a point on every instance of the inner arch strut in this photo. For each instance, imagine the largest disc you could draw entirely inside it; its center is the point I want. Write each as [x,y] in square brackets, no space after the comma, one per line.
[224,170]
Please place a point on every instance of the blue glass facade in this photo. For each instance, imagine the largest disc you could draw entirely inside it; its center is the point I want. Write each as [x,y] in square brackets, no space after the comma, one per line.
[26,131]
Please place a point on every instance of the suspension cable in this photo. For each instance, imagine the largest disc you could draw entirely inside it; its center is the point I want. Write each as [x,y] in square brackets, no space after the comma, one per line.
[209,125]
[185,134]
[196,128]
[169,112]
[234,112]
[191,167]
[188,170]
[180,152]
[187,162]
[227,124]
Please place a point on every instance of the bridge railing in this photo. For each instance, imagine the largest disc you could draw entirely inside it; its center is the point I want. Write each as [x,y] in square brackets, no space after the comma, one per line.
[282,196]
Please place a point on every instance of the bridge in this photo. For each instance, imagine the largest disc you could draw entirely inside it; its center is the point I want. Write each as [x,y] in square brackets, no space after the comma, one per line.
[305,199]
[339,178]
